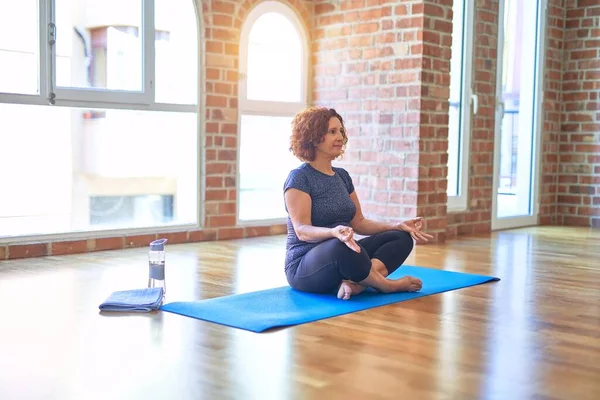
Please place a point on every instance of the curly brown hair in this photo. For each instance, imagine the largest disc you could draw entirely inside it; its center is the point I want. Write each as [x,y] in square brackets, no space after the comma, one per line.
[309,127]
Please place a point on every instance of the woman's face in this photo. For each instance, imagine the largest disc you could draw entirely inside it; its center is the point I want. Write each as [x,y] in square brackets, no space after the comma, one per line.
[332,145]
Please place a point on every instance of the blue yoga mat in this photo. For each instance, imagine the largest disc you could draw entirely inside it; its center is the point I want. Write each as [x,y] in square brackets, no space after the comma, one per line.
[284,306]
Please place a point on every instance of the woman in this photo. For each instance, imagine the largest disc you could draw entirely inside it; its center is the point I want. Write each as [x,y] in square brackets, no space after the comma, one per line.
[324,213]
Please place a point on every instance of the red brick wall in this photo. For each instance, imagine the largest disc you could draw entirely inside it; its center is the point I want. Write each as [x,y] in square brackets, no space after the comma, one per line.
[551,117]
[367,66]
[478,216]
[433,130]
[384,66]
[578,200]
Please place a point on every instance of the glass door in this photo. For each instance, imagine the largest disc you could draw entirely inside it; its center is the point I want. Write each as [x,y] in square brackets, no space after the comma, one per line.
[518,108]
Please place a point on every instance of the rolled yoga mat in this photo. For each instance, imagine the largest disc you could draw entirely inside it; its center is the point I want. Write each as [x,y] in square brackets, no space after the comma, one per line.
[284,306]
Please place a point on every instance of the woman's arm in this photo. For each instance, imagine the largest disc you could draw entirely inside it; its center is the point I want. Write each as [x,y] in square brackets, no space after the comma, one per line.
[365,226]
[299,205]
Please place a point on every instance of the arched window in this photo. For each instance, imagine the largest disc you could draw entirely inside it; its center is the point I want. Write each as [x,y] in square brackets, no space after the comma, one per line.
[99,116]
[273,88]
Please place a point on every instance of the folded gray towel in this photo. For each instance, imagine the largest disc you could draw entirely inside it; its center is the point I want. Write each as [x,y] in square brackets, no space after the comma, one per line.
[136,300]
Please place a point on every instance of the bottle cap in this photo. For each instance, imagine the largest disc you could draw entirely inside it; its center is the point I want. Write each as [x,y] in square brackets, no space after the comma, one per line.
[158,245]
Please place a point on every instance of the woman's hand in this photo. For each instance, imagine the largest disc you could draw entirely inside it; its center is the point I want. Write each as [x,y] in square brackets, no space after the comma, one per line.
[415,228]
[346,235]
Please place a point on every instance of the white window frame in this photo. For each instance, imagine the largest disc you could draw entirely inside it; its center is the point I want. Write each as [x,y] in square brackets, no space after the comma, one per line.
[469,105]
[111,99]
[532,218]
[263,107]
[51,94]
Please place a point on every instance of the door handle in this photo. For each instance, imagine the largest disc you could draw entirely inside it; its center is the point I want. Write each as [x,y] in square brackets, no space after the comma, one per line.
[500,104]
[475,102]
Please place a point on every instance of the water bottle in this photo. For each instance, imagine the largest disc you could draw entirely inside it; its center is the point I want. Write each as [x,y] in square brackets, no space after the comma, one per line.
[156,260]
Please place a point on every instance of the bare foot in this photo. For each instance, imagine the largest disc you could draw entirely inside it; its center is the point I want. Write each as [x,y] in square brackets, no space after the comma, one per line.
[406,284]
[348,288]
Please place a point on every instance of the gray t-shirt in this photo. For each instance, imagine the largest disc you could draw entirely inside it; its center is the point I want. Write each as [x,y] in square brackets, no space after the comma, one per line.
[331,205]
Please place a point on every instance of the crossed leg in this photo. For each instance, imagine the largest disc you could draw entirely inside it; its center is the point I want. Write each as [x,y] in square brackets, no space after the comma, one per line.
[332,267]
[392,246]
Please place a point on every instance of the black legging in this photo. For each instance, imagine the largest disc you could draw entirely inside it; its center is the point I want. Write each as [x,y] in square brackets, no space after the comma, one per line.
[325,266]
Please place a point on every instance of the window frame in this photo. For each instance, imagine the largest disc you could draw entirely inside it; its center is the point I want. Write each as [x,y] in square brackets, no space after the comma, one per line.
[469,108]
[264,107]
[85,98]
[143,97]
[51,94]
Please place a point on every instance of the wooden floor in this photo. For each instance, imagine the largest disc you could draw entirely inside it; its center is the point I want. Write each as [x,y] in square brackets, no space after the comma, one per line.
[534,334]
